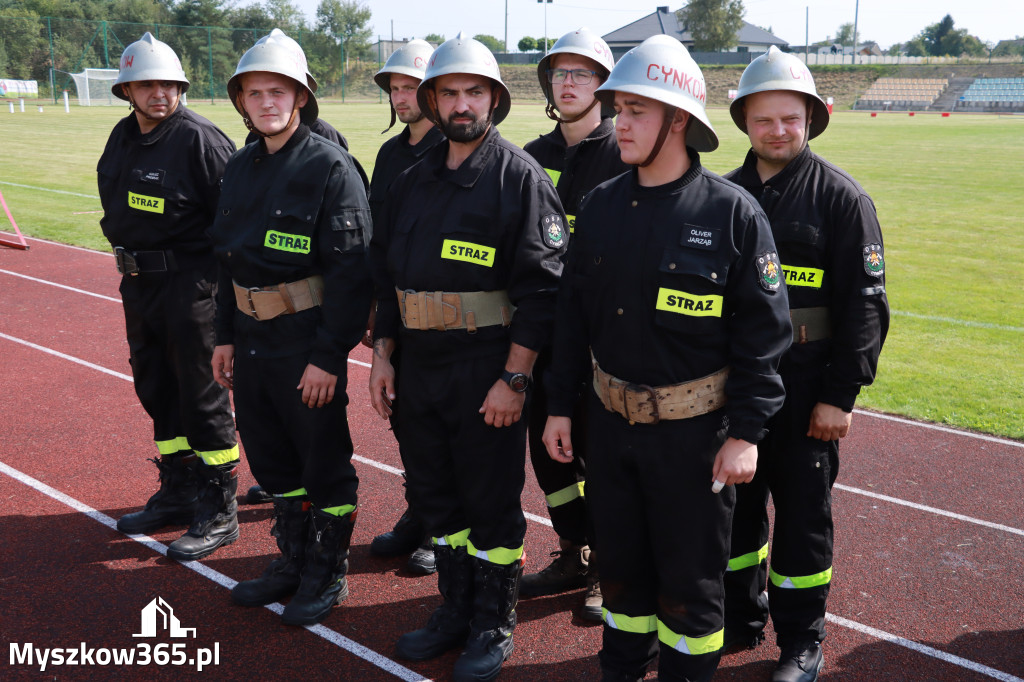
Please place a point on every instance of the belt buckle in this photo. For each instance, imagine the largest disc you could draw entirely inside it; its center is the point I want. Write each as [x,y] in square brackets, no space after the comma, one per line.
[252,307]
[125,262]
[652,398]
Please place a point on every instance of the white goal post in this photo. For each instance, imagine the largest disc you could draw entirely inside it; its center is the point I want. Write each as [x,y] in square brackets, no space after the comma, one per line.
[93,86]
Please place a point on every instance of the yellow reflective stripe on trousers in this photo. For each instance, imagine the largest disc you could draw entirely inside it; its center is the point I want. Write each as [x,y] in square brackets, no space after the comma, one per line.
[624,623]
[749,559]
[173,446]
[503,556]
[554,175]
[800,582]
[695,646]
[214,457]
[340,510]
[460,539]
[298,492]
[565,495]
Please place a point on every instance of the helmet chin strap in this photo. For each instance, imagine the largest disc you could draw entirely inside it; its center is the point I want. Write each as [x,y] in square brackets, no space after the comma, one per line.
[555,115]
[394,116]
[666,125]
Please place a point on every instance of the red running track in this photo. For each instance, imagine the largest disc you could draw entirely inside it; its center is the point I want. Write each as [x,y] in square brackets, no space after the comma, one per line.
[930,533]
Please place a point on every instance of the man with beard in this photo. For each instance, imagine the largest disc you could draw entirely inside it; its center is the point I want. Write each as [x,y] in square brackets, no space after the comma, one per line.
[470,240]
[400,78]
[830,245]
[159,179]
[579,154]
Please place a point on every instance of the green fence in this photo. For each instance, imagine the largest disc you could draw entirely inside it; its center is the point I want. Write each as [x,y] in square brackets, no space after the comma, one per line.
[50,49]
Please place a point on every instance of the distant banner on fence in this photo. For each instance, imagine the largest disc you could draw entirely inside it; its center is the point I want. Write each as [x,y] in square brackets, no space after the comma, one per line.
[13,88]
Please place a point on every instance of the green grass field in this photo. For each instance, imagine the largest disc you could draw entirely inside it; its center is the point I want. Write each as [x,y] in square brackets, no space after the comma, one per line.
[948,192]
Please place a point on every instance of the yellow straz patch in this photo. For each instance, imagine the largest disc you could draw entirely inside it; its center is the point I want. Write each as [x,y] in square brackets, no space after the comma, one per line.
[673,301]
[554,175]
[144,203]
[572,223]
[803,277]
[468,252]
[292,243]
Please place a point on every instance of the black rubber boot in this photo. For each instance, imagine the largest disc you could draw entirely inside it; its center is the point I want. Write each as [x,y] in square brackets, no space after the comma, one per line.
[256,495]
[448,626]
[800,662]
[403,539]
[215,523]
[496,591]
[322,582]
[173,504]
[281,577]
[567,572]
[422,562]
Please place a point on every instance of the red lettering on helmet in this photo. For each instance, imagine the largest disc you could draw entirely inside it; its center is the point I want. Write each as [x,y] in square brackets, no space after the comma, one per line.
[685,81]
[799,72]
[598,47]
[649,67]
[418,61]
[433,58]
[126,61]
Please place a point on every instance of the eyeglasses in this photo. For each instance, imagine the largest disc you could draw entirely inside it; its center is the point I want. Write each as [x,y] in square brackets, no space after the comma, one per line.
[579,76]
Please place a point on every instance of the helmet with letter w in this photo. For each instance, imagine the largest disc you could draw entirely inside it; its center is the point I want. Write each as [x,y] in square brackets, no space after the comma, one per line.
[275,53]
[776,70]
[463,55]
[660,68]
[408,60]
[583,43]
[148,59]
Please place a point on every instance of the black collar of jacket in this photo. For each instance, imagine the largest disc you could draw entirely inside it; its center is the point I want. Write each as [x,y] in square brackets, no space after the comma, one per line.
[694,172]
[469,172]
[300,134]
[162,128]
[750,178]
[605,128]
[433,136]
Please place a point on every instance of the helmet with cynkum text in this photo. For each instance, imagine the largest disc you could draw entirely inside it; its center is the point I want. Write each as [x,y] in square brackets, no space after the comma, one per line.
[661,69]
[276,53]
[464,55]
[776,70]
[148,59]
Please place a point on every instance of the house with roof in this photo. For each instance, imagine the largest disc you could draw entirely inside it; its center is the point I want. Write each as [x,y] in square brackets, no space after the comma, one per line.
[750,39]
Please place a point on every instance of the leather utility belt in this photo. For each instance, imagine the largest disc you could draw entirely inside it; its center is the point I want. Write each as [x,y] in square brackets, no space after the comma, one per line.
[443,310]
[811,324]
[642,404]
[266,303]
[133,262]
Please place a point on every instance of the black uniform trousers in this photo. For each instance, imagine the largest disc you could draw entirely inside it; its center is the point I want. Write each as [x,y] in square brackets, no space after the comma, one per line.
[562,484]
[664,539]
[798,472]
[169,323]
[289,445]
[461,473]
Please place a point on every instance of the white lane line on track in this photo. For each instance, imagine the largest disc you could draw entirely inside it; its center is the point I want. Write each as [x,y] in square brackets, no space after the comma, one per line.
[70,246]
[922,648]
[224,581]
[60,286]
[944,429]
[47,189]
[359,650]
[65,356]
[933,510]
[962,323]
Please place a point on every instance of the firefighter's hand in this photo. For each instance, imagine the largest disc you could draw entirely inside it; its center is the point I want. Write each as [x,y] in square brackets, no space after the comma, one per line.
[502,406]
[557,439]
[223,365]
[382,386]
[829,422]
[735,462]
[317,386]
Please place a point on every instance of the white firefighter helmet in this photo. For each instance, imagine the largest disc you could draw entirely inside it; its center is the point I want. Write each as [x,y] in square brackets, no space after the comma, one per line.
[148,59]
[276,53]
[776,70]
[408,60]
[584,43]
[661,69]
[462,54]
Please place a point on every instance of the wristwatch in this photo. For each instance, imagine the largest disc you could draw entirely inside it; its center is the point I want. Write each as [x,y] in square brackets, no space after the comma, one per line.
[517,381]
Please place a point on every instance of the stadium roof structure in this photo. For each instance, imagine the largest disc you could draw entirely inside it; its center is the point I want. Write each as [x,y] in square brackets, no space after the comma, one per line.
[662,20]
